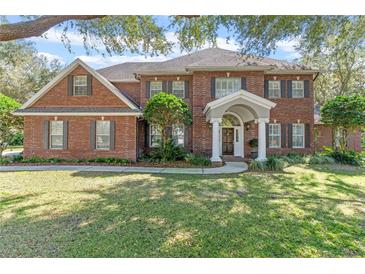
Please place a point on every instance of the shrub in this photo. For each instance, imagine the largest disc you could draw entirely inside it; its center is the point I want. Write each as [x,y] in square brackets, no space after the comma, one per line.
[294,158]
[34,159]
[18,158]
[318,159]
[166,152]
[109,160]
[197,159]
[275,163]
[17,139]
[257,165]
[346,157]
[5,160]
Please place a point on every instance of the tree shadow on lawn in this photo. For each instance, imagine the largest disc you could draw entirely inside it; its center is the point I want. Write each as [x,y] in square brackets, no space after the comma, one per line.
[247,215]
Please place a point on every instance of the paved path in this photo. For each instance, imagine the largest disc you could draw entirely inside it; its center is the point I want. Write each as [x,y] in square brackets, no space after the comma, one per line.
[229,167]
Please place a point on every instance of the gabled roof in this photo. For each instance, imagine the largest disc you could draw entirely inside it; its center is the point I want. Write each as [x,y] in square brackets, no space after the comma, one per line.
[65,72]
[207,59]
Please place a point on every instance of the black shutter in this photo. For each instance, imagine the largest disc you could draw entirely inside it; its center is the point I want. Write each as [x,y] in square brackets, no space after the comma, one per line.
[290,135]
[267,134]
[282,86]
[70,85]
[164,86]
[266,89]
[283,135]
[212,87]
[289,84]
[186,86]
[169,86]
[92,134]
[169,132]
[112,135]
[46,134]
[146,135]
[307,136]
[306,88]
[148,85]
[89,84]
[243,83]
[186,137]
[65,134]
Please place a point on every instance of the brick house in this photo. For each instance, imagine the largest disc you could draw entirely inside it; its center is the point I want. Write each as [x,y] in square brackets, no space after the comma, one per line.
[85,113]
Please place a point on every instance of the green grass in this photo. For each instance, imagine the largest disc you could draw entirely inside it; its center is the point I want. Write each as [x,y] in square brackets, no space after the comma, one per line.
[302,212]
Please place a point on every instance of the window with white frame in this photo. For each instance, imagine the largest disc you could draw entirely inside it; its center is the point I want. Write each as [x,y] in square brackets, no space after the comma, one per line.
[298,136]
[274,135]
[226,86]
[155,135]
[102,135]
[274,89]
[80,85]
[155,87]
[56,134]
[297,89]
[178,88]
[178,134]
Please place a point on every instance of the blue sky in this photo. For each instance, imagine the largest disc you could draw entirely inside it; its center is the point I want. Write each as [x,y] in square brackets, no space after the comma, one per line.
[52,47]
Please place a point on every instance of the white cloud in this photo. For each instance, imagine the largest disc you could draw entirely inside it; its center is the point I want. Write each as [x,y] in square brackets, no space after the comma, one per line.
[100,61]
[51,56]
[55,36]
[288,47]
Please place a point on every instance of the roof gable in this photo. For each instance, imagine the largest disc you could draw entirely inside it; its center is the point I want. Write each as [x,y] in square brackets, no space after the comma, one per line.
[69,69]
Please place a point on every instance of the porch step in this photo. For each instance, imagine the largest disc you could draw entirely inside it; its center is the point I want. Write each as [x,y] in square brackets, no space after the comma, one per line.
[231,158]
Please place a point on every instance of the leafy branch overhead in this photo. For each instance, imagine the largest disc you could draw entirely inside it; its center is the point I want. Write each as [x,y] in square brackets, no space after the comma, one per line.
[144,34]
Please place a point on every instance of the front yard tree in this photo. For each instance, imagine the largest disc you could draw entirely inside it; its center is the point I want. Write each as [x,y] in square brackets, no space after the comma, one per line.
[165,110]
[9,124]
[344,113]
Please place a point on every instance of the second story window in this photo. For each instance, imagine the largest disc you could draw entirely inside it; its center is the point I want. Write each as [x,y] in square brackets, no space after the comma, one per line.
[298,89]
[226,86]
[274,89]
[178,88]
[155,87]
[80,85]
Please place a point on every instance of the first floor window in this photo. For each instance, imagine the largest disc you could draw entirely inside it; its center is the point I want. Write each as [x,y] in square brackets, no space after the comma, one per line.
[274,89]
[178,134]
[102,134]
[155,135]
[56,134]
[80,85]
[155,87]
[178,88]
[297,89]
[274,135]
[226,86]
[298,135]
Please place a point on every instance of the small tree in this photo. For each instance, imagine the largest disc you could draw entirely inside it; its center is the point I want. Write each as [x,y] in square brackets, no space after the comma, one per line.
[165,110]
[344,113]
[9,124]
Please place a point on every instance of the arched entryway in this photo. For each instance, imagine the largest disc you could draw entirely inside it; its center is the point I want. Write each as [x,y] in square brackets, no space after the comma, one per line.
[231,135]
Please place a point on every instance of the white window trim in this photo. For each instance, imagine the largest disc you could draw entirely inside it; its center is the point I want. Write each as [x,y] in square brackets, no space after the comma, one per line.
[74,86]
[183,90]
[279,135]
[183,130]
[156,89]
[292,86]
[150,135]
[50,134]
[218,94]
[96,135]
[303,136]
[279,89]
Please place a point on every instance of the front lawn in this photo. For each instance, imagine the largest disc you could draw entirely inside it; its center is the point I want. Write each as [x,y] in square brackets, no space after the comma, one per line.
[302,212]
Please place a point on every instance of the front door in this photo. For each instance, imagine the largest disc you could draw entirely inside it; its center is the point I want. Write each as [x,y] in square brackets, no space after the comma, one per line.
[227,141]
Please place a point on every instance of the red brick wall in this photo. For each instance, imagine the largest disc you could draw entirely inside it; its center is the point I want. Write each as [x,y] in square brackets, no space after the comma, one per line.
[79,138]
[324,137]
[133,90]
[58,97]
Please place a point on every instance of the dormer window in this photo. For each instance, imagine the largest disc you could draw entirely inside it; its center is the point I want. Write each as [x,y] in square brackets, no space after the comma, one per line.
[80,85]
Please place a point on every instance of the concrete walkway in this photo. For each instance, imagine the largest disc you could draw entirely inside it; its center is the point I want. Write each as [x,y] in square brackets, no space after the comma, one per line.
[229,167]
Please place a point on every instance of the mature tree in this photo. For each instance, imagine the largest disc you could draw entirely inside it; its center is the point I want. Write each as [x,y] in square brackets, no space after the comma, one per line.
[165,110]
[10,125]
[23,71]
[344,113]
[143,34]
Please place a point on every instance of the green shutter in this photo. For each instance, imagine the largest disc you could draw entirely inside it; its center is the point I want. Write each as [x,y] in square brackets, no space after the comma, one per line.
[243,83]
[112,135]
[186,86]
[46,134]
[282,87]
[212,87]
[306,88]
[164,86]
[289,84]
[89,84]
[283,135]
[266,89]
[307,136]
[290,135]
[267,134]
[92,134]
[169,86]
[70,85]
[148,85]
[65,134]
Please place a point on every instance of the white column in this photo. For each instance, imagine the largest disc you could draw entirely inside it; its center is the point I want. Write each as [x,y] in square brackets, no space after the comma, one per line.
[262,139]
[215,140]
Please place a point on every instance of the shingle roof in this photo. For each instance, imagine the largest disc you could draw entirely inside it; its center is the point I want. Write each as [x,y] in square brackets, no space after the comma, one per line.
[203,59]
